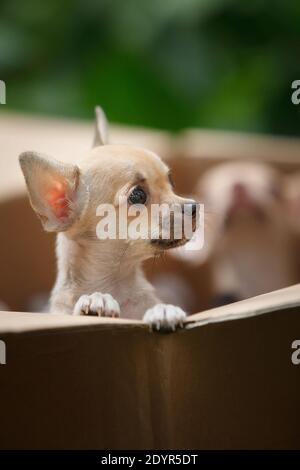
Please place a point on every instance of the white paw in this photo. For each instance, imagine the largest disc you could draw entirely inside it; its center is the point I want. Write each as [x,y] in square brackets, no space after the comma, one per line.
[103,305]
[163,316]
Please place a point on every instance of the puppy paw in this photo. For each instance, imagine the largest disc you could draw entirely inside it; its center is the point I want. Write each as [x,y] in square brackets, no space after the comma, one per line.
[103,305]
[164,317]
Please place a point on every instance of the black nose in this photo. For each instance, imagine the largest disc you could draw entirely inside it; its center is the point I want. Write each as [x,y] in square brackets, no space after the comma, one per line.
[190,209]
[194,209]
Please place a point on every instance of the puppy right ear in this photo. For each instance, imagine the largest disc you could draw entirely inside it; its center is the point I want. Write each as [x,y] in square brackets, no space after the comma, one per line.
[101,128]
[56,191]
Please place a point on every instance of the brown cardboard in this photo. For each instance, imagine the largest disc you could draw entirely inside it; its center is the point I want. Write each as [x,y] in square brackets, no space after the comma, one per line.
[72,382]
[91,383]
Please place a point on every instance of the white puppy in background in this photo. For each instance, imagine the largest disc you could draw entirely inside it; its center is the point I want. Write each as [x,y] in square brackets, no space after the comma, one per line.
[248,243]
[96,276]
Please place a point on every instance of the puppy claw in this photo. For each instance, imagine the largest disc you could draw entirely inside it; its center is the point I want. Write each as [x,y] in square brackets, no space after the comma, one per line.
[103,305]
[164,317]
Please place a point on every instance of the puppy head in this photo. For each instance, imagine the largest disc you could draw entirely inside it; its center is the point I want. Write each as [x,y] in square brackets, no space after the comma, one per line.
[236,192]
[237,197]
[114,187]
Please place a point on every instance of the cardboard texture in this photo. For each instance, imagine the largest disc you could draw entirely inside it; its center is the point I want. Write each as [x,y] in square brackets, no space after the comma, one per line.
[84,382]
[92,383]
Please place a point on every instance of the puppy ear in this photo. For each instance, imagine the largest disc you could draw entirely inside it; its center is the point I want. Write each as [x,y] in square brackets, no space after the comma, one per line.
[55,189]
[101,128]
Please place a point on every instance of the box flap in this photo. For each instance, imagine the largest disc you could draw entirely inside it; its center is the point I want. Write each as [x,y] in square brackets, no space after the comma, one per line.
[288,297]
[17,322]
[225,145]
[21,322]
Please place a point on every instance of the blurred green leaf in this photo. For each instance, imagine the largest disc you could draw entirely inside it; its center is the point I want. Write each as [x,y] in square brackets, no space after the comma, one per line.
[166,64]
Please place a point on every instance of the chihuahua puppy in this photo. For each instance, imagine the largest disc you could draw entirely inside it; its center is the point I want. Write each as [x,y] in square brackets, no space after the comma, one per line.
[248,244]
[101,276]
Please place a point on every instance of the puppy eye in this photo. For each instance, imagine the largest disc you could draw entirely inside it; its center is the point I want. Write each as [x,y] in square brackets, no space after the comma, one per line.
[137,196]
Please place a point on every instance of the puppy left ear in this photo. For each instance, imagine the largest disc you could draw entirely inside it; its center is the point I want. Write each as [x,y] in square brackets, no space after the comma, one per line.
[101,128]
[56,191]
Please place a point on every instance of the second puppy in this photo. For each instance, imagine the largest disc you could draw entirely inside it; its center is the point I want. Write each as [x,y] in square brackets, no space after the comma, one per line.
[248,243]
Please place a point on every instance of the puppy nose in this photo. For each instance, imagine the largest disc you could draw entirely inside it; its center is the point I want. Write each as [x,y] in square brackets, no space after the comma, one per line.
[191,209]
[194,209]
[239,191]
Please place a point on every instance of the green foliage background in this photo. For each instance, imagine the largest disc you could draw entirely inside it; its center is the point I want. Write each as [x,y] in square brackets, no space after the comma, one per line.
[162,63]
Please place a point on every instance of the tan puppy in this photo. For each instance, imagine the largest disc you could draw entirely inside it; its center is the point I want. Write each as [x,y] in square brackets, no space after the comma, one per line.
[248,243]
[104,276]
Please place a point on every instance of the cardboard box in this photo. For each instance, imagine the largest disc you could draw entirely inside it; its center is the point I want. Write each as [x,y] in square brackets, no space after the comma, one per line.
[90,383]
[72,382]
